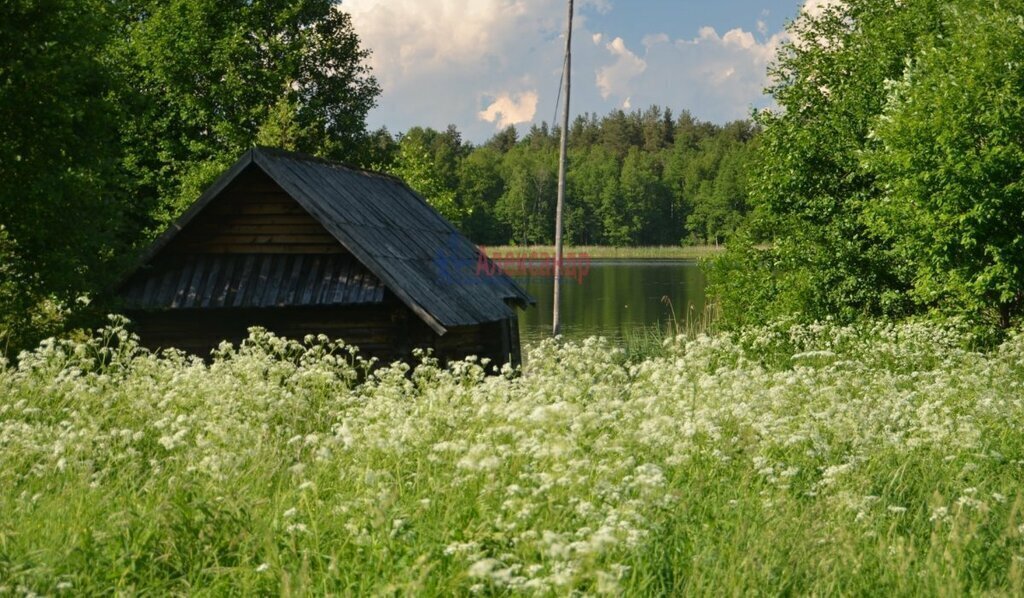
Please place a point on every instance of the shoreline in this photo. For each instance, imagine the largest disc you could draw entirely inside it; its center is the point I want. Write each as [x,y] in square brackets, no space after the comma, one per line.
[604,253]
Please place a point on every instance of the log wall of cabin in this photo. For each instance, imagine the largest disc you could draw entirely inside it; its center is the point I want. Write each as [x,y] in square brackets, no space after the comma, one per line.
[491,340]
[373,328]
[388,331]
[254,215]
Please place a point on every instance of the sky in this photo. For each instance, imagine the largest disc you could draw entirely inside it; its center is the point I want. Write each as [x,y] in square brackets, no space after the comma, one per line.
[485,64]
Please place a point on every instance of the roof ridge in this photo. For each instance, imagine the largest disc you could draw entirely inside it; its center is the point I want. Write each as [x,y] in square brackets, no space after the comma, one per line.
[295,155]
[272,152]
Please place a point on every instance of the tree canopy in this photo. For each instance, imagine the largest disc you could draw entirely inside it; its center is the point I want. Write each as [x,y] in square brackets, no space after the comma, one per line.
[59,200]
[889,180]
[203,80]
[637,178]
[115,115]
[948,153]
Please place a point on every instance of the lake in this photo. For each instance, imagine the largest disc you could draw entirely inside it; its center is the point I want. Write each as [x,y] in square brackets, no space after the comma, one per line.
[615,296]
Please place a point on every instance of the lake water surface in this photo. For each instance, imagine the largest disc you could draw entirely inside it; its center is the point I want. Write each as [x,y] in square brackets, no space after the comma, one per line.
[615,297]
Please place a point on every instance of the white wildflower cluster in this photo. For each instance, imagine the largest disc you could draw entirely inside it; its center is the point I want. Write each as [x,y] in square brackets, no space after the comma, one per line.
[282,463]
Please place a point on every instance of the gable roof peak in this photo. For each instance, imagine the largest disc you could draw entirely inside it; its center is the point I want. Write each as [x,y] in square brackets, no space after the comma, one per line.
[392,230]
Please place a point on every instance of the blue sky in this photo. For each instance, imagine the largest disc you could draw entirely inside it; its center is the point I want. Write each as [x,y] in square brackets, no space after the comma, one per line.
[683,18]
[485,64]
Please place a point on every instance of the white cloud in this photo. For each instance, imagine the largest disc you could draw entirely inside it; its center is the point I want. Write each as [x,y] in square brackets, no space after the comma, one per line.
[816,8]
[601,6]
[431,35]
[655,38]
[615,78]
[510,109]
[446,61]
[486,63]
[718,77]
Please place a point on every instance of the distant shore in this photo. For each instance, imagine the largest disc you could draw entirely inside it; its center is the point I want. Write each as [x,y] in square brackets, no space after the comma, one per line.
[601,252]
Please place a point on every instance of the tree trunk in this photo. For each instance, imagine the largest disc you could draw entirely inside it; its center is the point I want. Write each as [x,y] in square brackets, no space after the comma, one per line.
[1009,310]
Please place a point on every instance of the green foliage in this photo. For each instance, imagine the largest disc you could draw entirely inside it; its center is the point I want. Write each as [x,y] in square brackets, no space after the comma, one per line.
[531,185]
[744,284]
[633,179]
[429,162]
[708,172]
[948,156]
[14,298]
[116,115]
[61,210]
[818,459]
[480,186]
[889,182]
[414,165]
[593,184]
[205,80]
[810,191]
[645,198]
[281,128]
[724,208]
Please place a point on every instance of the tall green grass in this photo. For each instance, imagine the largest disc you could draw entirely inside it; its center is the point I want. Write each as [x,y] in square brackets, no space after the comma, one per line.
[879,459]
[658,340]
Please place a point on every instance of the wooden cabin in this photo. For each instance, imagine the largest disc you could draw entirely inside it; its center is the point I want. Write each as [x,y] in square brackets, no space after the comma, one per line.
[300,246]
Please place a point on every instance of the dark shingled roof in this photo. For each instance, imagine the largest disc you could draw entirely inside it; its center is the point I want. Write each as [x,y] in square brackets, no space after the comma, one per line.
[417,254]
[252,280]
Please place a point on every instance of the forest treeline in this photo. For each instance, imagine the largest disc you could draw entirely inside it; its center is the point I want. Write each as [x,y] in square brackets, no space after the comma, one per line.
[633,178]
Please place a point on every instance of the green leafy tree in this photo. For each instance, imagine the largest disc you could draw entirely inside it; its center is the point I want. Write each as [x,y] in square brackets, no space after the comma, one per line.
[621,131]
[281,128]
[504,141]
[632,179]
[690,132]
[60,211]
[585,131]
[527,207]
[949,158]
[480,187]
[675,176]
[380,149]
[415,165]
[696,182]
[203,80]
[810,189]
[657,129]
[645,199]
[720,198]
[592,180]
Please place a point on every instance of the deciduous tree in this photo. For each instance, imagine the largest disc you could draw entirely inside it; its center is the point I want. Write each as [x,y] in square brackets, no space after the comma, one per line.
[948,154]
[203,80]
[60,209]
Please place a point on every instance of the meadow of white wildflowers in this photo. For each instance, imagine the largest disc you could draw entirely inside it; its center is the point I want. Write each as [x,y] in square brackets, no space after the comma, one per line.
[882,459]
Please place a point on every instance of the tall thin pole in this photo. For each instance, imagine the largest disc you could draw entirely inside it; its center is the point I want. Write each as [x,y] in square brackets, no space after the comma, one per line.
[556,325]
